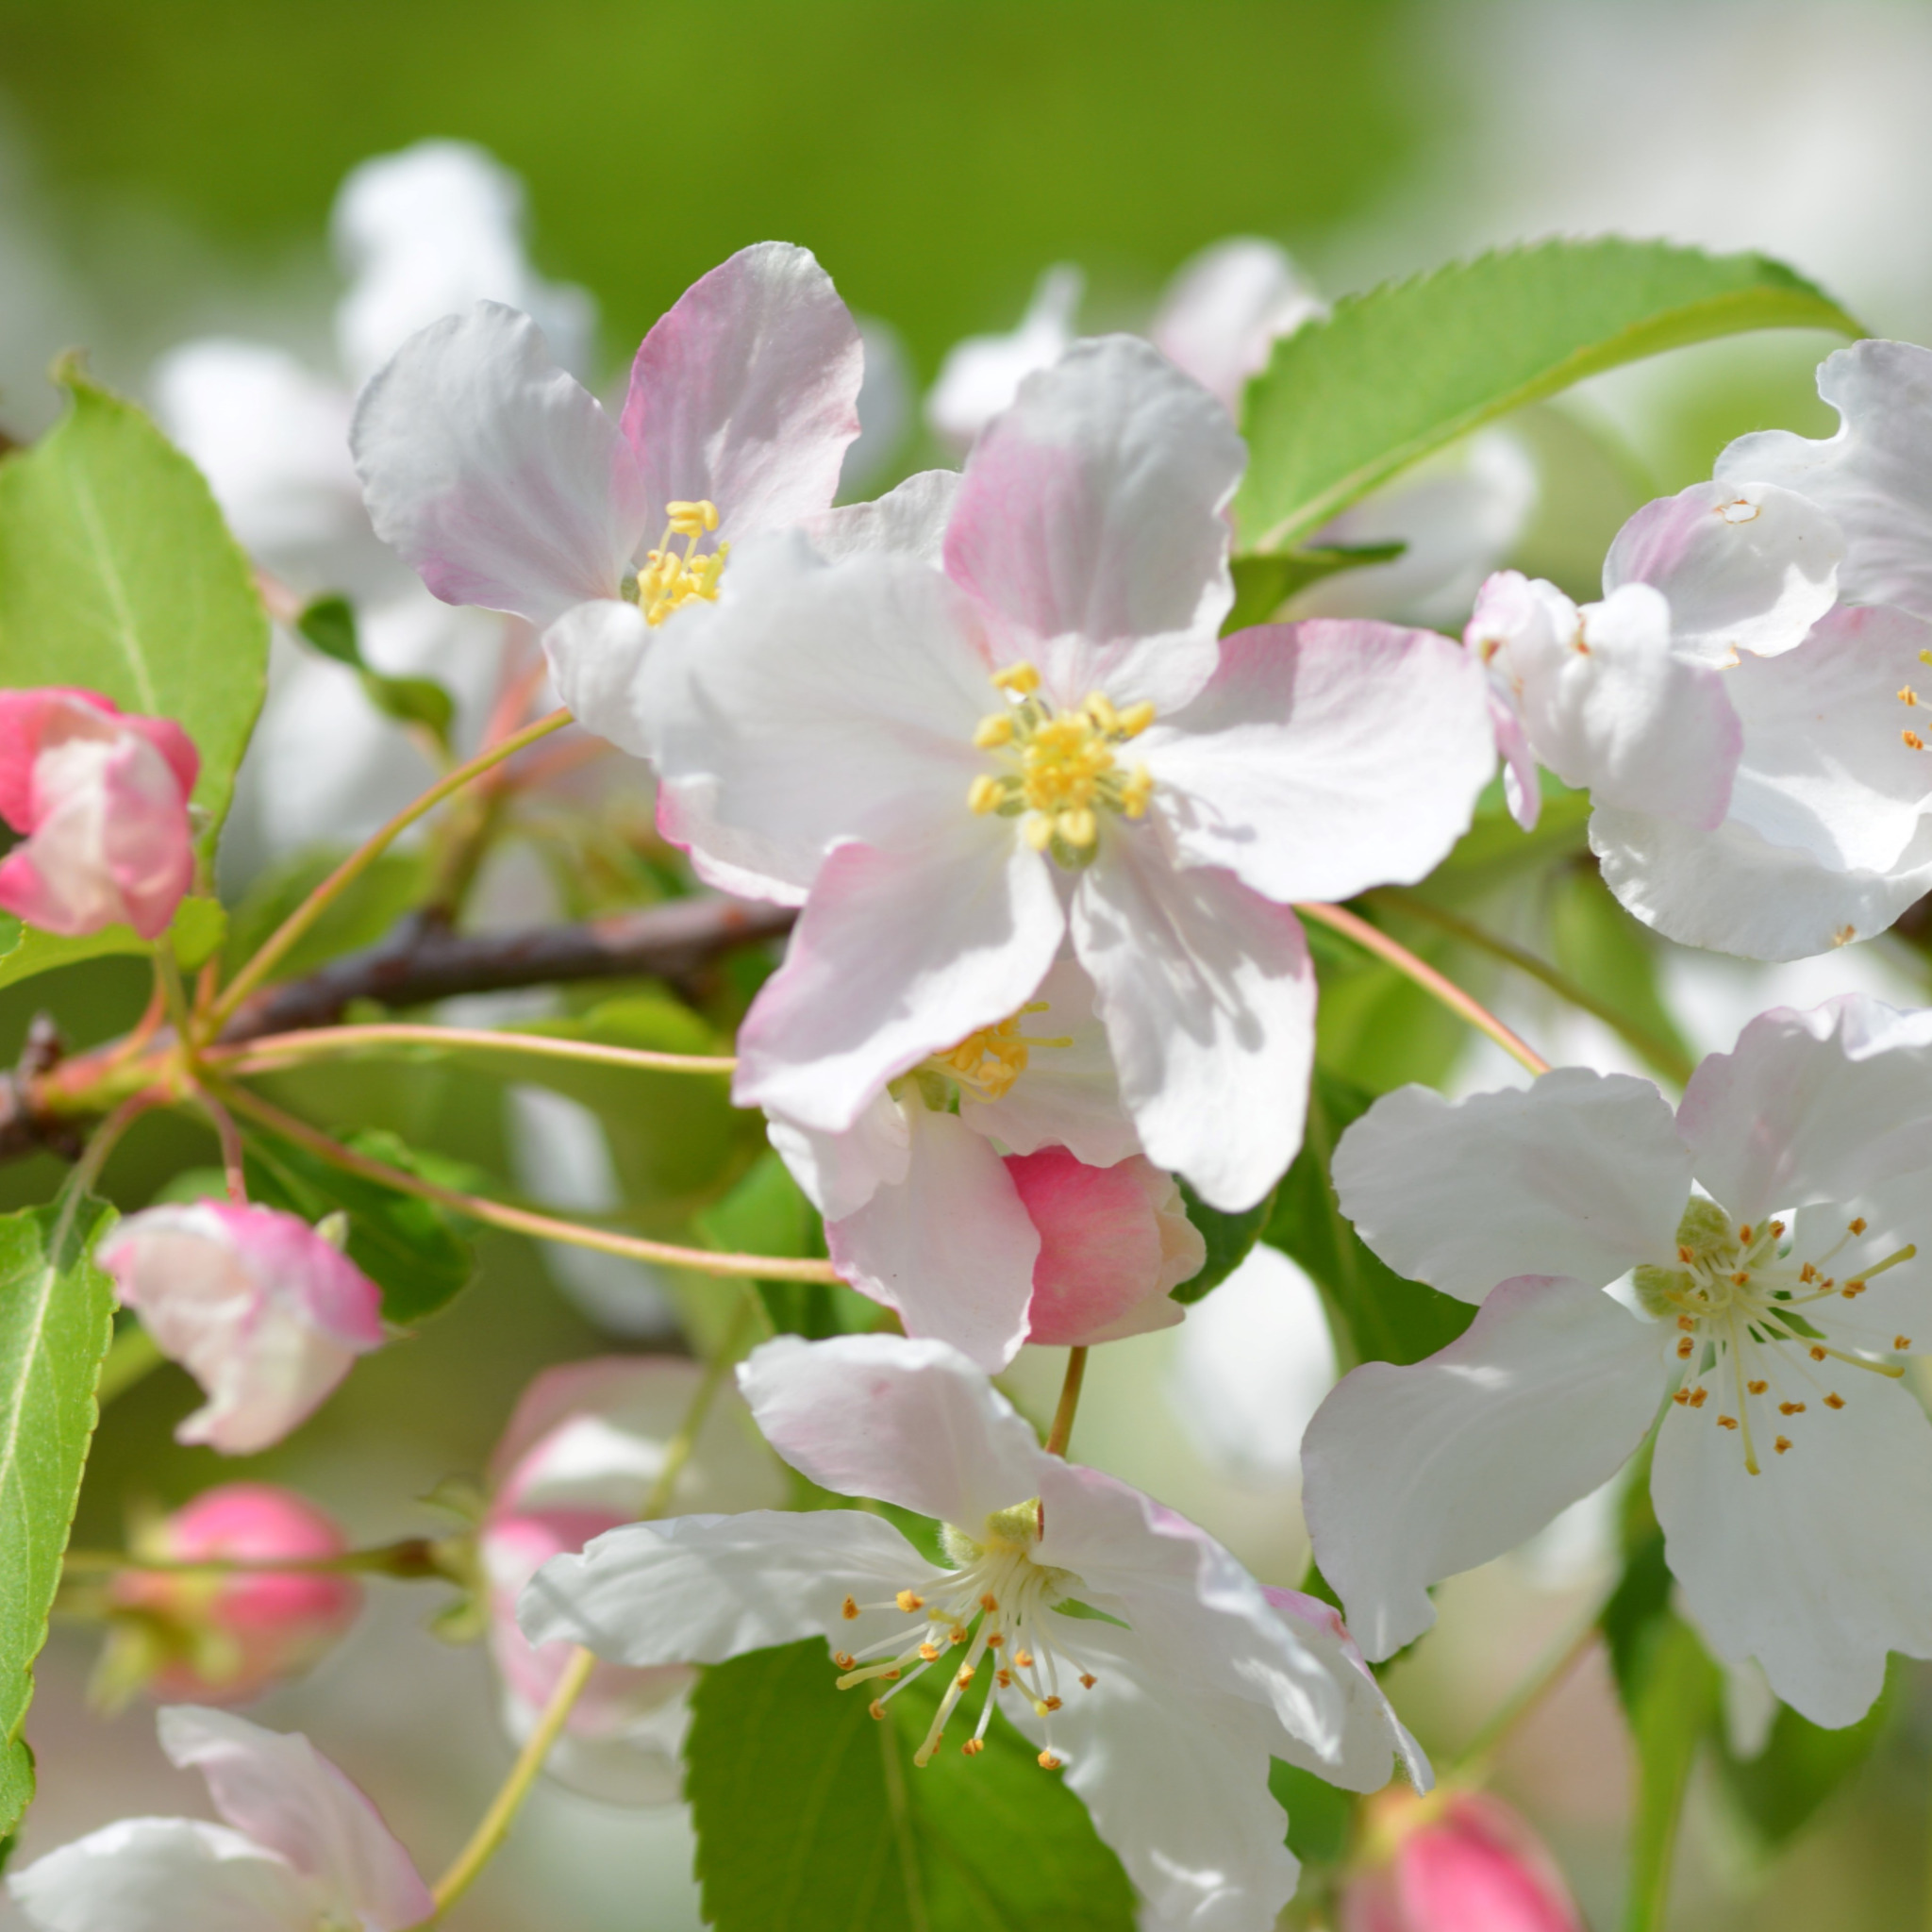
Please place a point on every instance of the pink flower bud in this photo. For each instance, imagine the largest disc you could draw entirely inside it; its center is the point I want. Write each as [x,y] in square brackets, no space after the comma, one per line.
[1113,1240]
[1455,1861]
[102,798]
[221,1636]
[262,1311]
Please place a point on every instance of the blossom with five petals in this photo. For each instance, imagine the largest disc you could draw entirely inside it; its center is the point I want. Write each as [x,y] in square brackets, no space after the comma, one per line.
[957,770]
[303,1849]
[1163,1711]
[1766,1315]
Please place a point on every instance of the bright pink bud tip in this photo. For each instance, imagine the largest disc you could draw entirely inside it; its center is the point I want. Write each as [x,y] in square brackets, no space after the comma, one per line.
[262,1311]
[222,1638]
[1456,1861]
[1113,1240]
[103,800]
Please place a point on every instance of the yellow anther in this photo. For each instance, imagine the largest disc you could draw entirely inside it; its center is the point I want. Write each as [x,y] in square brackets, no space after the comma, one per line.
[909,1600]
[697,519]
[988,1601]
[1782,1444]
[1902,1342]
[1791,1408]
[965,1676]
[1699,1397]
[1777,1229]
[1833,1401]
[1682,1396]
[878,1707]
[930,1653]
[1856,1225]
[1023,1658]
[985,794]
[849,1609]
[844,1659]
[1816,1353]
[1087,1680]
[1099,706]
[1744,1234]
[1021,679]
[1757,1387]
[1078,828]
[971,1747]
[1686,1348]
[1908,695]
[1037,831]
[1135,719]
[1048,1761]
[1727,1421]
[993,732]
[1137,790]
[1912,741]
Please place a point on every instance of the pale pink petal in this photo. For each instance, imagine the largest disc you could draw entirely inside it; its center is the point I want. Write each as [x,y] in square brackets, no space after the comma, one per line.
[1209,1000]
[597,656]
[1326,757]
[911,1422]
[1745,567]
[1582,1174]
[1113,1240]
[897,955]
[1225,310]
[841,1173]
[910,520]
[281,1791]
[951,1246]
[146,840]
[1412,1473]
[981,375]
[1872,477]
[495,475]
[1089,527]
[745,393]
[1522,791]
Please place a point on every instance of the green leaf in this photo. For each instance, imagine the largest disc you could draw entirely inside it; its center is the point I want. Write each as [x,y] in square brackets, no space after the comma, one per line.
[363,914]
[1229,1237]
[812,1818]
[199,928]
[1802,1765]
[56,1317]
[117,574]
[330,624]
[1379,1315]
[1319,1815]
[1399,372]
[413,1250]
[1262,584]
[1610,956]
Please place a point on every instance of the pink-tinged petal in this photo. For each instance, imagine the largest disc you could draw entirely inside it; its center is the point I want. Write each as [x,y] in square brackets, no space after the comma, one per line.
[1068,1095]
[1821,1561]
[146,840]
[1463,1864]
[911,1422]
[1736,892]
[701,1589]
[1746,568]
[1412,1473]
[24,717]
[1835,764]
[981,376]
[1582,1174]
[1225,310]
[281,1791]
[1326,757]
[951,1247]
[1813,1107]
[1874,476]
[1089,526]
[497,477]
[812,703]
[597,656]
[745,393]
[910,520]
[897,955]
[1112,1241]
[161,1875]
[174,744]
[1209,1000]
[1522,790]
[841,1173]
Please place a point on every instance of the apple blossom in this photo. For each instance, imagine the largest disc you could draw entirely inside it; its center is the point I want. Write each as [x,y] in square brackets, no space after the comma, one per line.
[1163,1712]
[982,374]
[302,1850]
[221,1635]
[1767,1233]
[581,1455]
[263,1312]
[956,771]
[102,797]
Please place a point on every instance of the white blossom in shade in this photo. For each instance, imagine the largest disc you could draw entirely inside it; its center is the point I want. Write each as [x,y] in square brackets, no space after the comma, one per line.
[958,770]
[1162,1720]
[255,1305]
[584,1452]
[302,1850]
[1225,308]
[982,374]
[1764,1249]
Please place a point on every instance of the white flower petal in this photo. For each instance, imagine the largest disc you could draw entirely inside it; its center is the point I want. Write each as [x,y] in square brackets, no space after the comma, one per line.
[1412,1473]
[1874,476]
[911,1422]
[1582,1174]
[951,1247]
[909,521]
[1225,310]
[982,373]
[495,475]
[1209,1000]
[596,654]
[1326,757]
[839,1172]
[1818,1564]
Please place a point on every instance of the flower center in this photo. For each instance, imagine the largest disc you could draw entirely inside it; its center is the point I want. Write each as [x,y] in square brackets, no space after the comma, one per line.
[1057,769]
[987,1062]
[669,578]
[1753,1315]
[997,1606]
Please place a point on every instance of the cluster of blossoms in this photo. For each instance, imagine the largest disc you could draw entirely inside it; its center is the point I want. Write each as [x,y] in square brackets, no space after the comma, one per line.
[1046,829]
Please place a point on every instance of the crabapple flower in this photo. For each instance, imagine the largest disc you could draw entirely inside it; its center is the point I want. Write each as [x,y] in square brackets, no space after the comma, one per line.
[224,1636]
[302,1850]
[1455,1861]
[1770,1235]
[1163,1713]
[582,1454]
[503,482]
[982,374]
[102,797]
[956,771]
[263,1312]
